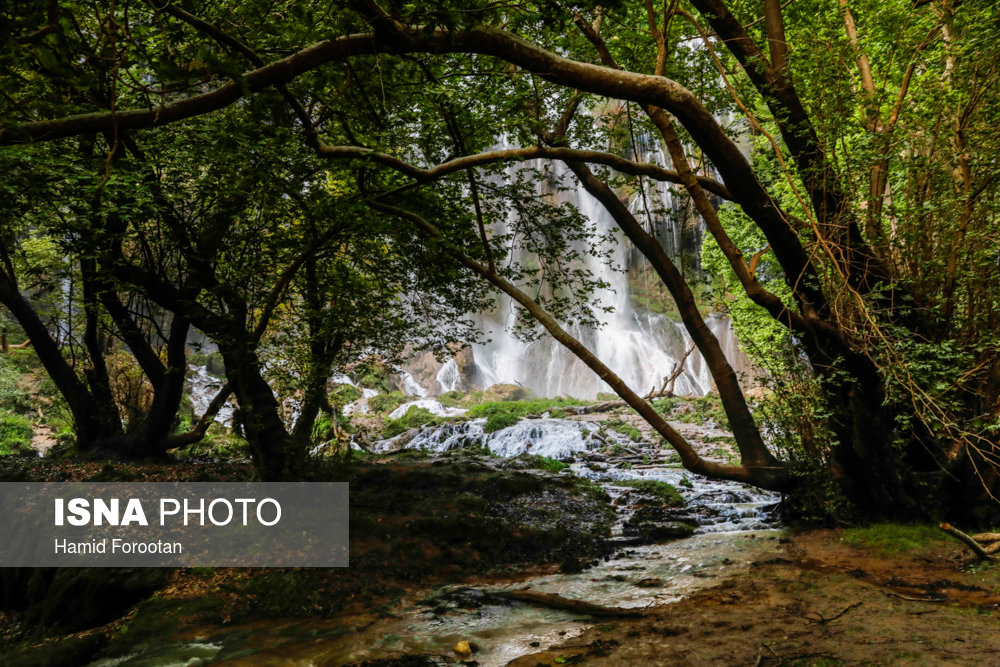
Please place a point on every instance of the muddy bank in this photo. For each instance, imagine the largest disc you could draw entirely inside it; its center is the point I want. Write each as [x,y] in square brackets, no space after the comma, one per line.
[817,601]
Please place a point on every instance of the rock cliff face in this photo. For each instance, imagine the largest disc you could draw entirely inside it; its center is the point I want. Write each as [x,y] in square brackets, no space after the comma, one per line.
[457,372]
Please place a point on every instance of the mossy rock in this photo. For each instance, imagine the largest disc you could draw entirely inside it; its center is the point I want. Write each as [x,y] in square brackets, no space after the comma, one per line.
[652,532]
[506,392]
[662,491]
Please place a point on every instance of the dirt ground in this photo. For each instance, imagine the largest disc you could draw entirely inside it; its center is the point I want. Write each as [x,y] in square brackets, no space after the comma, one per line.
[819,602]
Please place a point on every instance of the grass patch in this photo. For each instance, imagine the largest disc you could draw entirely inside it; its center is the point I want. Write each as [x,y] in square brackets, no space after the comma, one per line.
[534,406]
[545,463]
[892,538]
[661,490]
[15,433]
[500,421]
[413,418]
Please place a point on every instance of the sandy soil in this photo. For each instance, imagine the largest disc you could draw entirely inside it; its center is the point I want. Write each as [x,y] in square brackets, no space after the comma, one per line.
[820,602]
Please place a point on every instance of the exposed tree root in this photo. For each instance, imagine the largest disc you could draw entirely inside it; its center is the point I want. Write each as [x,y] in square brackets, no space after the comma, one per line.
[976,547]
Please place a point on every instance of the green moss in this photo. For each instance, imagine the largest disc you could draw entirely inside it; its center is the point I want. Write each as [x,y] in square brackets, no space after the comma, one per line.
[451,399]
[373,373]
[892,538]
[665,406]
[212,361]
[728,439]
[661,490]
[417,417]
[218,442]
[711,408]
[63,651]
[323,429]
[12,397]
[456,399]
[588,488]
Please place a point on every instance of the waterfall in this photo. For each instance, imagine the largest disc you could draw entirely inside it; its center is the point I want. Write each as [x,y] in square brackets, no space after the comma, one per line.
[639,346]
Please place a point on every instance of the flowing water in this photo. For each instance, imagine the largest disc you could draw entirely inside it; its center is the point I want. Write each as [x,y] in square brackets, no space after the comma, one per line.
[734,529]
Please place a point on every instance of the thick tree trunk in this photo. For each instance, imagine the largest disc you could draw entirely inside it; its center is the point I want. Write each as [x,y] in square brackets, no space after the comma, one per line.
[277,456]
[152,438]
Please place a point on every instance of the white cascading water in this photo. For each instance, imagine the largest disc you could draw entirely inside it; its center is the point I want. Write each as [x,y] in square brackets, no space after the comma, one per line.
[640,347]
[553,438]
[411,387]
[450,377]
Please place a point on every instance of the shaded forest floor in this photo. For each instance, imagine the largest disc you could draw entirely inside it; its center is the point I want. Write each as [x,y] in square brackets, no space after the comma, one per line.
[819,601]
[885,595]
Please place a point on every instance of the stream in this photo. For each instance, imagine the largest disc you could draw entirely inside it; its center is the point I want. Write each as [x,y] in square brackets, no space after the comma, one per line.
[734,528]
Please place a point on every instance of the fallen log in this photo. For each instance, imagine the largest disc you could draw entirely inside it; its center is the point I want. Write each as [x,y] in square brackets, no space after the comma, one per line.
[558,602]
[606,406]
[975,546]
[7,347]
